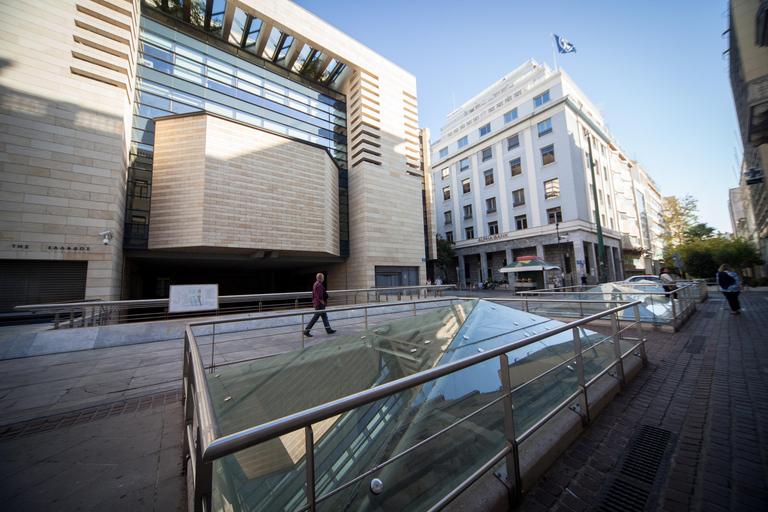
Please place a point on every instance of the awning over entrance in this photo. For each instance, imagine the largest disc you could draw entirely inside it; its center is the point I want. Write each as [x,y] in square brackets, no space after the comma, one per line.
[529,264]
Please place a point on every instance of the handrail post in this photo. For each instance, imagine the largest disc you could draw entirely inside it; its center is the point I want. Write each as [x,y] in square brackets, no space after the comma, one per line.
[513,457]
[617,348]
[203,477]
[580,379]
[641,341]
[674,313]
[302,330]
[56,320]
[310,459]
[213,344]
[296,303]
[366,317]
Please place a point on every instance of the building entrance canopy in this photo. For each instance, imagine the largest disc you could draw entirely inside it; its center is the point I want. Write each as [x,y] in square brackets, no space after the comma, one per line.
[272,475]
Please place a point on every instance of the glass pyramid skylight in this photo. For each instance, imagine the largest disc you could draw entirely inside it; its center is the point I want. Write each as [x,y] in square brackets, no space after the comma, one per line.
[272,475]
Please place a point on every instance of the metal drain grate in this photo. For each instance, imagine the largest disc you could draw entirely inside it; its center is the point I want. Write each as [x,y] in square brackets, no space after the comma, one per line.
[696,344]
[635,484]
[624,497]
[646,454]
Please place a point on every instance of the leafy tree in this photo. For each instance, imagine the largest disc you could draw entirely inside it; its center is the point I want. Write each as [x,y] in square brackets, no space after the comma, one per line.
[678,215]
[700,264]
[702,256]
[445,254]
[700,231]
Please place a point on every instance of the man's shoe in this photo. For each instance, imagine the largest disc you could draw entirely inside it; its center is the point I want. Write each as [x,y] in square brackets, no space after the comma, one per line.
[330,331]
[307,334]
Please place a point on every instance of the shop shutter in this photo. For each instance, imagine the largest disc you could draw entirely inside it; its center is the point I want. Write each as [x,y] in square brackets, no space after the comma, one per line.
[24,282]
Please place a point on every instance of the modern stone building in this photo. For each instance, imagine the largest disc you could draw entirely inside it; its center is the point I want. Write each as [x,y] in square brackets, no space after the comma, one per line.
[244,143]
[748,51]
[512,178]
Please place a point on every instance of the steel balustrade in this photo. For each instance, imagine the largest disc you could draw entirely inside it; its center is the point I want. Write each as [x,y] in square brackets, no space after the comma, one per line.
[202,449]
[93,313]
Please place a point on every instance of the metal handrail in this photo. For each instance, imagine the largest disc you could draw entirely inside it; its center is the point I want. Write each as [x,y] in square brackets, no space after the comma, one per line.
[210,450]
[682,306]
[100,308]
[302,314]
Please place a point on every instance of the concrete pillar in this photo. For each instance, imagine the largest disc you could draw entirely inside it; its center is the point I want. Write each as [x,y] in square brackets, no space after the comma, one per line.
[619,263]
[461,277]
[610,263]
[595,261]
[510,258]
[578,252]
[540,251]
[483,266]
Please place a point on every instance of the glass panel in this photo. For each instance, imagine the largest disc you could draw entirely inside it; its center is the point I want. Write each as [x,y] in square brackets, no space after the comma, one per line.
[272,476]
[254,33]
[274,38]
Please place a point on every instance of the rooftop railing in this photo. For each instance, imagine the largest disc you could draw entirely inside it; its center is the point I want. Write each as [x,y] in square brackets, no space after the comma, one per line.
[204,443]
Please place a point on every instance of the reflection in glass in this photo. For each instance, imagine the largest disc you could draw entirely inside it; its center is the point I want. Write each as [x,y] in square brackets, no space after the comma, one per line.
[272,475]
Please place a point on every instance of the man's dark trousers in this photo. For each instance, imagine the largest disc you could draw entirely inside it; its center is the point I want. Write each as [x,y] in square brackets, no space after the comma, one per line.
[322,315]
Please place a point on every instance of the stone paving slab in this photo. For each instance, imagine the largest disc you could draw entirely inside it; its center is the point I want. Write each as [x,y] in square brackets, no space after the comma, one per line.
[707,385]
[121,456]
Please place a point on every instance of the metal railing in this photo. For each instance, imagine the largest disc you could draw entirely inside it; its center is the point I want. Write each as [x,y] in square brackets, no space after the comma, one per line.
[682,301]
[204,444]
[360,314]
[97,313]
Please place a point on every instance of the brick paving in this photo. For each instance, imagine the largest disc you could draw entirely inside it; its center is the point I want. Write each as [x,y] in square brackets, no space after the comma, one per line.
[707,386]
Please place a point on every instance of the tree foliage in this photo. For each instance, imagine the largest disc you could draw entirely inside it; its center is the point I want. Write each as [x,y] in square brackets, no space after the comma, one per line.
[700,264]
[445,254]
[678,216]
[702,256]
[700,231]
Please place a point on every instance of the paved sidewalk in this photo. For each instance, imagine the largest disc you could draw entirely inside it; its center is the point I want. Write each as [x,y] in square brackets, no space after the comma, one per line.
[101,429]
[690,432]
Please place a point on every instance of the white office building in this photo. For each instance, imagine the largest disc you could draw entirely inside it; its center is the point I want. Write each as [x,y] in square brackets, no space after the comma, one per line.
[511,178]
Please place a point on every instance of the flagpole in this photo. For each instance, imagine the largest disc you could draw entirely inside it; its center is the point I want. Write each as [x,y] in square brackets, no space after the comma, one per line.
[554,55]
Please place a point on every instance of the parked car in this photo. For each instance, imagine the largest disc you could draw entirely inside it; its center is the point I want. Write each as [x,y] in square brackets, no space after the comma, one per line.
[637,279]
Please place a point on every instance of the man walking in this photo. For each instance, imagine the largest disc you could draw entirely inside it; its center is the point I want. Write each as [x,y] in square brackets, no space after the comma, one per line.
[319,301]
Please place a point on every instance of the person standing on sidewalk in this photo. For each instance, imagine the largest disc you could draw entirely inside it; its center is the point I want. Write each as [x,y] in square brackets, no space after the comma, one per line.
[730,285]
[668,282]
[319,301]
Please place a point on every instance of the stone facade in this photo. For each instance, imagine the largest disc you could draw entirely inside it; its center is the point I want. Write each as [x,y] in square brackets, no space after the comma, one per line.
[222,184]
[69,101]
[511,171]
[64,109]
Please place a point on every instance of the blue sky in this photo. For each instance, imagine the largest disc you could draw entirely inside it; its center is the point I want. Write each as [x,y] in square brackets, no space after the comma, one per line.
[655,69]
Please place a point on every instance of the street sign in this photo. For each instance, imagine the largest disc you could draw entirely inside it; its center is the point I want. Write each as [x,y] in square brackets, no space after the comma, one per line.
[678,264]
[754,181]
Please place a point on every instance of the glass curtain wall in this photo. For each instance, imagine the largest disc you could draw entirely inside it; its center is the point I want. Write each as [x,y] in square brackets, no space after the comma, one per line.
[178,74]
